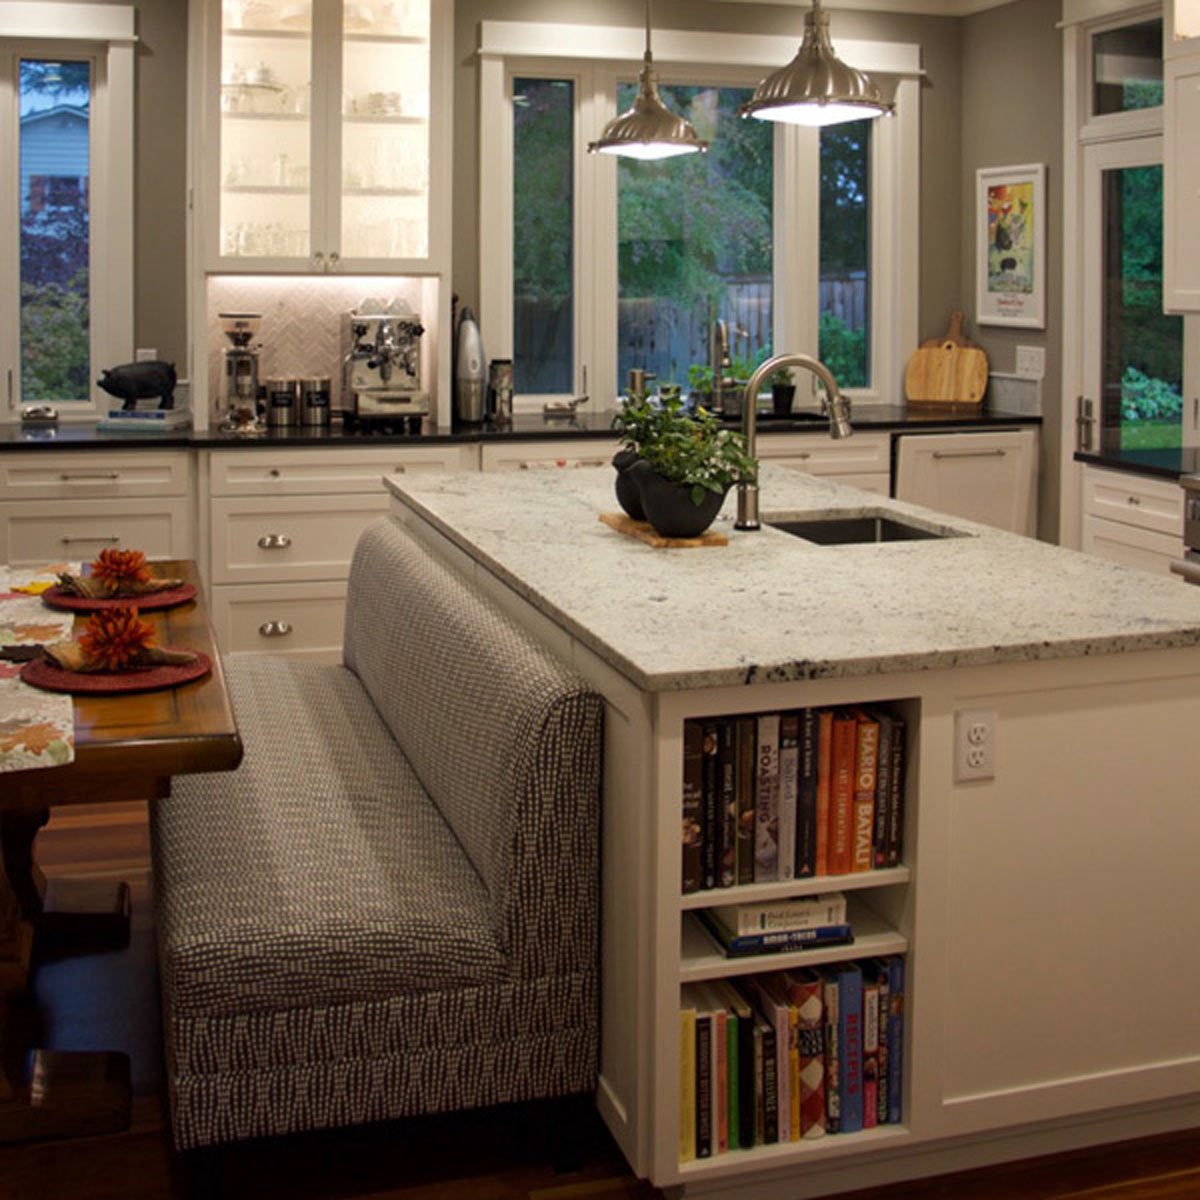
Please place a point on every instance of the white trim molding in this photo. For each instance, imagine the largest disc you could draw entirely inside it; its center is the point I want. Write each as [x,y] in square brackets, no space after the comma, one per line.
[916,8]
[75,22]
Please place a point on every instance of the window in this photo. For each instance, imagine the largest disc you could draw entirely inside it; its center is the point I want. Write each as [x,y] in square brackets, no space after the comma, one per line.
[1127,71]
[66,216]
[797,239]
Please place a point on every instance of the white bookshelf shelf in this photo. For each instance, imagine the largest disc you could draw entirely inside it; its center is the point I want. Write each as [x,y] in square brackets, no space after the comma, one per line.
[701,957]
[757,893]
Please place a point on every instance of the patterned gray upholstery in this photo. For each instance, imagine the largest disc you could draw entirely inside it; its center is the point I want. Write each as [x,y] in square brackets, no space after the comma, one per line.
[391,907]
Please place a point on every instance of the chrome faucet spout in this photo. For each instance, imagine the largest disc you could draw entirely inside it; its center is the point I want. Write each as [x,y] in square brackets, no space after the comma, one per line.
[837,409]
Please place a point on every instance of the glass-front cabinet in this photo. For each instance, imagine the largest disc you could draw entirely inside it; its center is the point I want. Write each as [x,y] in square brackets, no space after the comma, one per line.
[323,125]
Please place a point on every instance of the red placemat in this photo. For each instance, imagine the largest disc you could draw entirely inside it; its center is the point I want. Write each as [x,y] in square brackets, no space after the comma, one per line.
[55,597]
[41,673]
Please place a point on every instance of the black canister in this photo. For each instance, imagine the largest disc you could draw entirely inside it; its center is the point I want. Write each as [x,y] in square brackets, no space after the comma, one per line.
[314,401]
[283,399]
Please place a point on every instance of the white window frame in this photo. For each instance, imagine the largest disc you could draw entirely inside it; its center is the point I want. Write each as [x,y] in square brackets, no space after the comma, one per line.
[597,58]
[103,35]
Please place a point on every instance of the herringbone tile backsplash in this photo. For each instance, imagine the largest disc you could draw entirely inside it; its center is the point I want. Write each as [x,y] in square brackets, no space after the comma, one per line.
[302,323]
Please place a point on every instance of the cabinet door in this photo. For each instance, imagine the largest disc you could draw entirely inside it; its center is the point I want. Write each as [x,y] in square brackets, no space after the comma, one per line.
[1181,187]
[56,530]
[527,456]
[1130,546]
[1155,505]
[819,454]
[985,477]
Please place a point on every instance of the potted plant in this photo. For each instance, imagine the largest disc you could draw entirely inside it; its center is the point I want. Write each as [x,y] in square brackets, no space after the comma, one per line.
[700,383]
[783,390]
[681,465]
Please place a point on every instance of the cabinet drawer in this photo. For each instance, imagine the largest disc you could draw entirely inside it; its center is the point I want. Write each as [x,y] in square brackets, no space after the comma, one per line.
[571,452]
[1152,504]
[819,454]
[1131,546]
[32,534]
[289,539]
[37,475]
[298,620]
[255,472]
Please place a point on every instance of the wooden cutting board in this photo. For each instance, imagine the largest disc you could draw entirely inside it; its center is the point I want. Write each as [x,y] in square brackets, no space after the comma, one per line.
[947,370]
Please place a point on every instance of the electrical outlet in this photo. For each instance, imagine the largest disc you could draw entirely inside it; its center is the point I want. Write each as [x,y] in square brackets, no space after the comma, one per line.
[145,356]
[1031,362]
[974,745]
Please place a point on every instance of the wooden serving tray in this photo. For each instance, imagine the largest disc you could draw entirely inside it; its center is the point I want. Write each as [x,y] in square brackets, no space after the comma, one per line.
[645,532]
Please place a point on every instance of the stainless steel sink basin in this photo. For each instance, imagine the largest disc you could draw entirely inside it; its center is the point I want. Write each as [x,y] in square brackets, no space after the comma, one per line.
[842,531]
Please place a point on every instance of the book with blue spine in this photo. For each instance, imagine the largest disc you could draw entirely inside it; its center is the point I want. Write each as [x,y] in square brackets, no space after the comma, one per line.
[850,1038]
[764,943]
[895,1036]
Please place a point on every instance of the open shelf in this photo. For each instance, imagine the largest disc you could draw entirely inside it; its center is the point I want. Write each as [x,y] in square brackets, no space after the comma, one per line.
[382,119]
[778,1154]
[393,39]
[701,957]
[263,189]
[786,889]
[282,35]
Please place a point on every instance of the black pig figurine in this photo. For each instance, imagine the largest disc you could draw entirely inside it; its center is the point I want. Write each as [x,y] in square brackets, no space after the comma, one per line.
[132,382]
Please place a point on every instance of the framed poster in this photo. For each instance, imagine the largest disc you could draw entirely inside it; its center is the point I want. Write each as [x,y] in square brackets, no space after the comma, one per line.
[1010,246]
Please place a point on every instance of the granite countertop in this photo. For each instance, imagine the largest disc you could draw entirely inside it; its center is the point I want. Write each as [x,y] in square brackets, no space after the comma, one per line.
[524,427]
[770,607]
[1164,464]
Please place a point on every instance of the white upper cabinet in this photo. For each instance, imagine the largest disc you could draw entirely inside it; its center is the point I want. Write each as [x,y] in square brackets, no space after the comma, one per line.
[323,131]
[1182,28]
[1181,163]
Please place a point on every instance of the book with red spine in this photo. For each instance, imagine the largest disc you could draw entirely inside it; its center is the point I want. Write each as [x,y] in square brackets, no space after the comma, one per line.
[875,973]
[710,788]
[841,796]
[866,766]
[895,842]
[693,814]
[805,993]
[883,790]
[823,789]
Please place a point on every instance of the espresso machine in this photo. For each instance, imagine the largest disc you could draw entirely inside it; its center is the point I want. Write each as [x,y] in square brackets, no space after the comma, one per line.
[381,372]
[241,384]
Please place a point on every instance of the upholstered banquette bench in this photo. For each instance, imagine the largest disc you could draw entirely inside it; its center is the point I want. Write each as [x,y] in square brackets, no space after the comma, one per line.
[391,908]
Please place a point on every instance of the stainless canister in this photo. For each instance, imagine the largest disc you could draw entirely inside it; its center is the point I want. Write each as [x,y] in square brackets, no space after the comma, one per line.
[500,384]
[283,400]
[314,401]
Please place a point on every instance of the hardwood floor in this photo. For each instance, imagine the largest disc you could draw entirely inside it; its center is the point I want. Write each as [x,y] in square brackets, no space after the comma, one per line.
[498,1154]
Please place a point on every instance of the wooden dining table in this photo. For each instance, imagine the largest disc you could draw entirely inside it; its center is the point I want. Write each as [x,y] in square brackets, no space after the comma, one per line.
[127,746]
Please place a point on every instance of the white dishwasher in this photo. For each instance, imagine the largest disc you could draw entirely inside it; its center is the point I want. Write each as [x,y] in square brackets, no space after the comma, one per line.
[989,476]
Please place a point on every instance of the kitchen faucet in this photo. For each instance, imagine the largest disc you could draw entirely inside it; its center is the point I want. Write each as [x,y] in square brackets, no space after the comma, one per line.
[719,362]
[835,406]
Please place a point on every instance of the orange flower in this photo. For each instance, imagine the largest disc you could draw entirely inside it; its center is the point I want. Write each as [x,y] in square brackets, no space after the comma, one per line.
[115,567]
[114,637]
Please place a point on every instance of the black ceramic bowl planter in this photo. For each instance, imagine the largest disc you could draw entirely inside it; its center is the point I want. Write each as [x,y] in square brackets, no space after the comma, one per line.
[629,495]
[669,506]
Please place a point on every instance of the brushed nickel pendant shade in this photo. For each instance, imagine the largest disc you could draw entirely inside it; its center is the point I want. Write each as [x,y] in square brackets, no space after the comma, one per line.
[649,129]
[816,87]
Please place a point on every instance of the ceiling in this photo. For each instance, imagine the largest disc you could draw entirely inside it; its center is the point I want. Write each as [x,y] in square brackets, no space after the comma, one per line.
[939,8]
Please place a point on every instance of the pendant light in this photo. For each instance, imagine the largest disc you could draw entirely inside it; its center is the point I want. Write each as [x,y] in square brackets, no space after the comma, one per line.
[649,129]
[816,87]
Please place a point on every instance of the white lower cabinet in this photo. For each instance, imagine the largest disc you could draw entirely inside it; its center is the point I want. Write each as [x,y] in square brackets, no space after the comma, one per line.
[1132,520]
[73,504]
[282,527]
[861,461]
[561,452]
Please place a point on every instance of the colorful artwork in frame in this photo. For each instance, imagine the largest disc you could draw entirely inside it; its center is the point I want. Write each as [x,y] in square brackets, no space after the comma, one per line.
[1010,273]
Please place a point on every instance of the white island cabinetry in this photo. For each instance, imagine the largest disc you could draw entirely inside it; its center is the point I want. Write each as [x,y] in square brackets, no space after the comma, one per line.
[1025,905]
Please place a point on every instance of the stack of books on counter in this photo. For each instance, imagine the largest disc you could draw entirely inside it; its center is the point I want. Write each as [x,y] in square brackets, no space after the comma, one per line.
[147,417]
[790,1056]
[791,795]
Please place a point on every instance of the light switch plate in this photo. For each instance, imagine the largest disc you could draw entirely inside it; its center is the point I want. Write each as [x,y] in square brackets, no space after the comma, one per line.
[145,356]
[1031,362]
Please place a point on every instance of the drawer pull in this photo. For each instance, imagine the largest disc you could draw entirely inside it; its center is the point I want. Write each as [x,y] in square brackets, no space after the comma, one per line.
[274,472]
[92,476]
[399,470]
[112,539]
[274,541]
[274,629]
[970,454]
[1132,500]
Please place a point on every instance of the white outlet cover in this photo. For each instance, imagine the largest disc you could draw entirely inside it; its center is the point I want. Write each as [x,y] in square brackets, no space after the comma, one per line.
[145,356]
[1031,362]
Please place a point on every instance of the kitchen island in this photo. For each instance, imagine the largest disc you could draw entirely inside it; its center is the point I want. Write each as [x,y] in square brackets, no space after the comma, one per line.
[1046,915]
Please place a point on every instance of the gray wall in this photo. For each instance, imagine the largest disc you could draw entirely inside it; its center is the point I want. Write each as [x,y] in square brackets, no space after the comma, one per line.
[160,174]
[1009,120]
[939,37]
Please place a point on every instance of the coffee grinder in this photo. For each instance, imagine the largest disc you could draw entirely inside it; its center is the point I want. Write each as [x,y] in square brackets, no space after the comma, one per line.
[241,372]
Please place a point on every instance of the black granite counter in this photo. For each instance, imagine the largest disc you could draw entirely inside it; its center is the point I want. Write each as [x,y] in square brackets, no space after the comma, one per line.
[524,427]
[1164,464]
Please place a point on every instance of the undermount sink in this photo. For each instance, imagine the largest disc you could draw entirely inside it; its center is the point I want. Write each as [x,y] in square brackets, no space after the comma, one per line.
[842,531]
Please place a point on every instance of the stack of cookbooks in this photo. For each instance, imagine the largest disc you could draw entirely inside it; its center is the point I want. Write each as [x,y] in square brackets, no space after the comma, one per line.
[795,924]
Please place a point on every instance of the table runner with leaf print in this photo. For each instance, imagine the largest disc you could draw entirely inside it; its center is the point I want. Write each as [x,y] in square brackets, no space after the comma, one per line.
[37,729]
